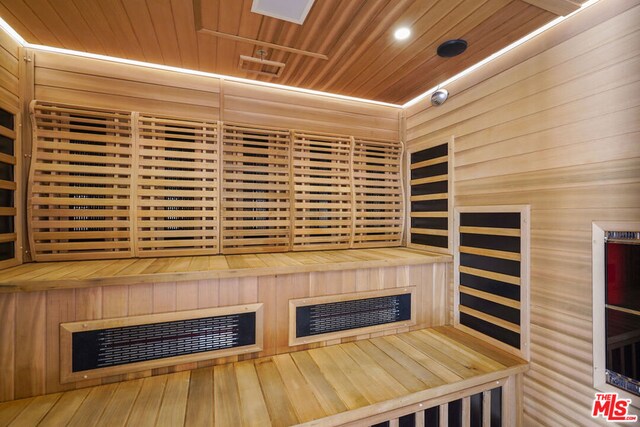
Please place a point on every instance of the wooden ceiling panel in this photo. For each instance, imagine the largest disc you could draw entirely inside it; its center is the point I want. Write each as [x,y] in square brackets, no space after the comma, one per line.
[363,59]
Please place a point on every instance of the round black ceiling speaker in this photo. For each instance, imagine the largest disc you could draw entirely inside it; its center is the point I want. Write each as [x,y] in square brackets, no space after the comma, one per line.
[452,48]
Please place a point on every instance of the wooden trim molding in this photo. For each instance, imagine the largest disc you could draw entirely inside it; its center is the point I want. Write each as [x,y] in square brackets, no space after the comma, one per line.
[68,329]
[294,304]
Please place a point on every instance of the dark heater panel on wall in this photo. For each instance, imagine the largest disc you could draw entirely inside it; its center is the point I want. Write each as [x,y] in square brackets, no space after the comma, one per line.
[430,195]
[353,314]
[91,349]
[103,348]
[490,284]
[8,236]
[322,318]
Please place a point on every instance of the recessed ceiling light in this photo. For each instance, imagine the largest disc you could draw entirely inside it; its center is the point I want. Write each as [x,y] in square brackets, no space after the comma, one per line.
[402,33]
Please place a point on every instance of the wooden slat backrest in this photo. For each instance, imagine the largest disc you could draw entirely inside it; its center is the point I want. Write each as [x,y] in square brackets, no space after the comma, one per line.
[177,187]
[322,183]
[80,203]
[116,184]
[256,184]
[377,188]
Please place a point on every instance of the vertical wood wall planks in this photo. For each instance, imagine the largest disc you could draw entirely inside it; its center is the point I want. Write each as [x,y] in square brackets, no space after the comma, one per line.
[7,350]
[178,187]
[80,203]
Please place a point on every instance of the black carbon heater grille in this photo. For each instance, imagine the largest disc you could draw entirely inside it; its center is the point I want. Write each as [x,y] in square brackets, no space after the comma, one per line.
[344,315]
[118,346]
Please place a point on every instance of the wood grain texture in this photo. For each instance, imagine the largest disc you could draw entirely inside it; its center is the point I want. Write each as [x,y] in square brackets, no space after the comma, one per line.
[177,187]
[523,136]
[36,367]
[364,59]
[88,219]
[327,386]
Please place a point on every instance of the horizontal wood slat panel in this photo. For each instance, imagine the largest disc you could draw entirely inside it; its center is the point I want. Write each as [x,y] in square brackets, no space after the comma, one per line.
[96,144]
[377,189]
[430,186]
[492,255]
[194,187]
[256,189]
[322,185]
[10,181]
[175,219]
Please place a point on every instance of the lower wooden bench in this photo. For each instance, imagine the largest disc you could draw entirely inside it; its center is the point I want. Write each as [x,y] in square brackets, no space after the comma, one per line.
[358,383]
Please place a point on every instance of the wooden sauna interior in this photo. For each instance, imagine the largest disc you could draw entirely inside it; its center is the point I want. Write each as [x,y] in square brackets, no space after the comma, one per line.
[210,216]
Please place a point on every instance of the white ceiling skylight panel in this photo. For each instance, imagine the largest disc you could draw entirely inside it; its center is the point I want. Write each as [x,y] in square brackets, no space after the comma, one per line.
[295,11]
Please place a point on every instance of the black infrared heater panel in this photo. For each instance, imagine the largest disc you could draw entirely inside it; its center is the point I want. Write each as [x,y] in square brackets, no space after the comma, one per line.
[430,196]
[490,274]
[352,314]
[118,346]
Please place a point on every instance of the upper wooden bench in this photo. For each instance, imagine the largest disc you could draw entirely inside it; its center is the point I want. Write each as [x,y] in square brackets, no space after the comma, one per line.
[356,383]
[79,274]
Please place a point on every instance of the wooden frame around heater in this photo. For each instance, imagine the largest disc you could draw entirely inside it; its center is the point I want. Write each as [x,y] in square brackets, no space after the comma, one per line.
[67,329]
[303,302]
[450,141]
[599,230]
[525,268]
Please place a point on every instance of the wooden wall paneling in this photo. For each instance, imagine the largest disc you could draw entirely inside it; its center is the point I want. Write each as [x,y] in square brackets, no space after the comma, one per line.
[177,187]
[377,193]
[246,103]
[9,71]
[429,178]
[71,79]
[89,219]
[7,350]
[256,189]
[115,301]
[288,287]
[322,179]
[524,134]
[60,308]
[30,339]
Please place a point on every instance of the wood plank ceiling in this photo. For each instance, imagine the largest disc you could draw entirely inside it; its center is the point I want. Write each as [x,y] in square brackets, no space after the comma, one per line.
[364,60]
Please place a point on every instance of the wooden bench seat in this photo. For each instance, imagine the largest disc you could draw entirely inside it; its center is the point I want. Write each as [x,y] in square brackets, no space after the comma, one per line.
[333,385]
[82,274]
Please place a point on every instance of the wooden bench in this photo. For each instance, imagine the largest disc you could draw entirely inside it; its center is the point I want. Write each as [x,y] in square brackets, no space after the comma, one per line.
[81,274]
[356,383]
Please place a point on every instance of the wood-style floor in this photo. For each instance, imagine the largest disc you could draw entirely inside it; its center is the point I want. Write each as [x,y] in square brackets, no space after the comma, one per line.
[339,382]
[77,274]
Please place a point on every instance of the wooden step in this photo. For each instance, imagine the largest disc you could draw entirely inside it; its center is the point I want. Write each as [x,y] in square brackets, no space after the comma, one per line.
[326,386]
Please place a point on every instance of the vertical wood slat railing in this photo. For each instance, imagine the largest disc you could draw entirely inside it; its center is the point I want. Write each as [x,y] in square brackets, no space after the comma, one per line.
[172,186]
[494,404]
